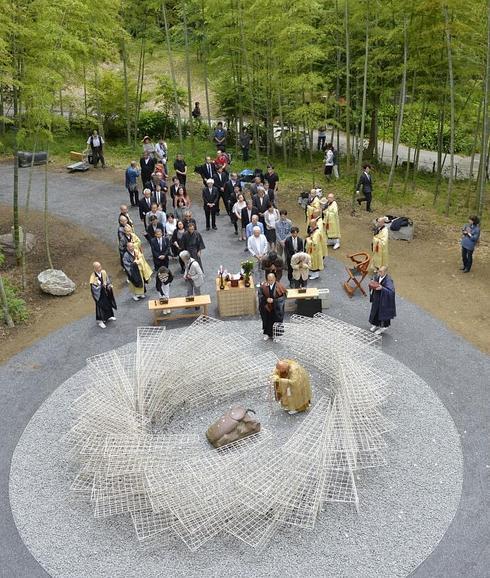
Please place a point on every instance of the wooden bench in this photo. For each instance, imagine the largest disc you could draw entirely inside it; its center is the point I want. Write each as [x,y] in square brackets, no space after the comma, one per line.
[200,301]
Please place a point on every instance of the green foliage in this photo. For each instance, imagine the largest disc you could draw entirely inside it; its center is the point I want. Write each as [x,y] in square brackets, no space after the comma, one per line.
[17,306]
[165,97]
[111,100]
[156,124]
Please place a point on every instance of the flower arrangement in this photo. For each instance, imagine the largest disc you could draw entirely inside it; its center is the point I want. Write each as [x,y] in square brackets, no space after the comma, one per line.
[247,268]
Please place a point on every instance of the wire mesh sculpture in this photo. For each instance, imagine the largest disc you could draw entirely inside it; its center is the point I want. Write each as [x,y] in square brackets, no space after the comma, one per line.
[131,463]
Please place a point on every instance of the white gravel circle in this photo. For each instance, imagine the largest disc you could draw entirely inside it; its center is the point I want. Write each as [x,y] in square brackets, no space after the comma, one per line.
[405,508]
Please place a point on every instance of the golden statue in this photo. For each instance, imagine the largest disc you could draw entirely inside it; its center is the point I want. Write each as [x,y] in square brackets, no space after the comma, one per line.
[291,386]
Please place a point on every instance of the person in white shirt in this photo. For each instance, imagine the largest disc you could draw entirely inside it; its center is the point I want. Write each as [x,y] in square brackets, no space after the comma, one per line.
[258,247]
[193,275]
[96,143]
[161,152]
[328,162]
[271,216]
[170,225]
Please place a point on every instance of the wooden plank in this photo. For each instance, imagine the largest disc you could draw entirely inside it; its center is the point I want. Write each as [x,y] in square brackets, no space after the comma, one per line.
[311,293]
[179,303]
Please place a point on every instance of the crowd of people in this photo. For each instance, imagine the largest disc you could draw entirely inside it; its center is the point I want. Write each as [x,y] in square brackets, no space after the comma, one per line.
[271,240]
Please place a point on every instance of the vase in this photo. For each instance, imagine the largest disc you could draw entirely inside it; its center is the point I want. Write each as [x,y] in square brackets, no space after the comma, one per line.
[221,282]
[247,281]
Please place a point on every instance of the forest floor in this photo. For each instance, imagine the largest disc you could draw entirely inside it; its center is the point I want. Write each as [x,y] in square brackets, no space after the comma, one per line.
[46,312]
[426,271]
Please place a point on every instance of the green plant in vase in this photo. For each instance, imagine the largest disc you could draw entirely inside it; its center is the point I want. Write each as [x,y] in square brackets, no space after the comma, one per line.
[247,268]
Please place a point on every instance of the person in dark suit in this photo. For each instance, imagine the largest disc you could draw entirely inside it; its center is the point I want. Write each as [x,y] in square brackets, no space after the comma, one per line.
[144,204]
[160,198]
[232,188]
[261,202]
[192,242]
[292,245]
[247,213]
[220,178]
[160,249]
[366,183]
[153,227]
[210,198]
[207,170]
[147,165]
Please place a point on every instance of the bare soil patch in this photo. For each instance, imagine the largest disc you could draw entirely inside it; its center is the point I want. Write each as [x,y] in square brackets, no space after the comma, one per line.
[73,250]
[426,270]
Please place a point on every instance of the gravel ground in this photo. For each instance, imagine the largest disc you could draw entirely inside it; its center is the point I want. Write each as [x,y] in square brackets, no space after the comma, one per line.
[457,373]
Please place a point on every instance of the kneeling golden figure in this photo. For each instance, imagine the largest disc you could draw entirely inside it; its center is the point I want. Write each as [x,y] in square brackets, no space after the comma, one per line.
[291,386]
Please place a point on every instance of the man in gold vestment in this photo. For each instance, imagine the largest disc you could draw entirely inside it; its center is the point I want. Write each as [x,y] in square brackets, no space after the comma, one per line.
[291,386]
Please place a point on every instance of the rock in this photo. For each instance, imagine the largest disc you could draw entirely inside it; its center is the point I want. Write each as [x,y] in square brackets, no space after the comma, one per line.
[7,243]
[55,282]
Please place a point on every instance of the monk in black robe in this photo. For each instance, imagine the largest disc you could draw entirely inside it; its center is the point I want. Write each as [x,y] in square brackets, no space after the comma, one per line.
[101,287]
[272,297]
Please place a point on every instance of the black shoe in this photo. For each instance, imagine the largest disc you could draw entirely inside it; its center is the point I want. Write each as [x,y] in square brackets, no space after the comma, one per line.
[466,270]
[208,229]
[236,232]
[215,228]
[369,210]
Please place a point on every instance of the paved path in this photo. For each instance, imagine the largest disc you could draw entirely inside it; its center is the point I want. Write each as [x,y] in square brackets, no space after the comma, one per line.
[457,372]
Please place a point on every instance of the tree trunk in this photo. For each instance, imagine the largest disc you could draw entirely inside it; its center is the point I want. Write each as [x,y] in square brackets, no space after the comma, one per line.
[172,74]
[485,126]
[46,225]
[124,56]
[473,152]
[205,67]
[15,204]
[363,110]
[85,105]
[440,143]
[283,132]
[139,88]
[188,74]
[5,305]
[249,83]
[399,123]
[62,112]
[416,155]
[452,111]
[100,121]
[347,84]
[26,221]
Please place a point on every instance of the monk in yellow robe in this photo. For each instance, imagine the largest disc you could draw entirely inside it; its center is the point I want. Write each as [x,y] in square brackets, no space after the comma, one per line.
[137,270]
[292,387]
[380,245]
[317,216]
[314,248]
[331,220]
[313,204]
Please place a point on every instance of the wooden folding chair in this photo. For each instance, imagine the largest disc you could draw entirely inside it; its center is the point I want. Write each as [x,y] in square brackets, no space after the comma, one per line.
[357,273]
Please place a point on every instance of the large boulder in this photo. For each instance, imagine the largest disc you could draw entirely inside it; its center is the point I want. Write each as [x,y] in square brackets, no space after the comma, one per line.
[8,246]
[55,282]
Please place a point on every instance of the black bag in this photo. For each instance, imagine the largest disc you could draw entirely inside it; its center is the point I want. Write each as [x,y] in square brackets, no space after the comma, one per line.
[399,222]
[25,158]
[308,307]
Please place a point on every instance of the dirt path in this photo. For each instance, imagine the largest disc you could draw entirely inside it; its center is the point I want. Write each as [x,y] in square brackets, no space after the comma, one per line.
[425,271]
